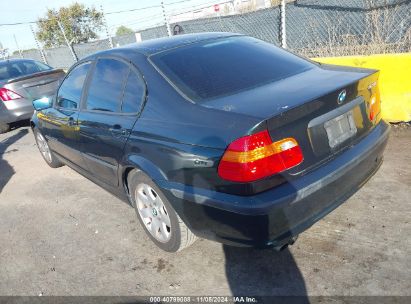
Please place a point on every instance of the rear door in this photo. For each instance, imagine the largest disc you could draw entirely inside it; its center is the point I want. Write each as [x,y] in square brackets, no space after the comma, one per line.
[113,102]
[59,123]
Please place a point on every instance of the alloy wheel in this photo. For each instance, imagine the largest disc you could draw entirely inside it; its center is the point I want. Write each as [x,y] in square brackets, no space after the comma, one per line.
[43,147]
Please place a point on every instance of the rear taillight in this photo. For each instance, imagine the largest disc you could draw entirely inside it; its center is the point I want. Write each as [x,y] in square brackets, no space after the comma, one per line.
[253,157]
[6,94]
[375,104]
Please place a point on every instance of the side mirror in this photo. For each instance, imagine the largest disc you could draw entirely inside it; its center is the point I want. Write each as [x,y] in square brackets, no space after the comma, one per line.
[42,103]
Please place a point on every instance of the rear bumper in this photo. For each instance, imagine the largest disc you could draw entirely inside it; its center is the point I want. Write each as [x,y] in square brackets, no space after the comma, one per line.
[16,110]
[271,218]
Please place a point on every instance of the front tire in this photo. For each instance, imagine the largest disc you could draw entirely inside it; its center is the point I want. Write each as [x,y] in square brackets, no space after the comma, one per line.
[4,127]
[161,223]
[45,151]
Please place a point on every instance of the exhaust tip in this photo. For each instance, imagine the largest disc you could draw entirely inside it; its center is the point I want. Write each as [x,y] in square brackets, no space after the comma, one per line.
[285,245]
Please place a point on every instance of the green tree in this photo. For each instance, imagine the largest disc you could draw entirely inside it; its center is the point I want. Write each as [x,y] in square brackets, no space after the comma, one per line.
[79,22]
[123,30]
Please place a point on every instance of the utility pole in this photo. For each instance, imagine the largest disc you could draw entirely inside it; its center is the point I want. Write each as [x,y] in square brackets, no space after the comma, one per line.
[166,19]
[67,42]
[38,45]
[17,45]
[110,40]
[283,24]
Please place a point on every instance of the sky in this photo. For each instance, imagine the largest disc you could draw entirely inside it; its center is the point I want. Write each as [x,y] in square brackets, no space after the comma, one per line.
[14,11]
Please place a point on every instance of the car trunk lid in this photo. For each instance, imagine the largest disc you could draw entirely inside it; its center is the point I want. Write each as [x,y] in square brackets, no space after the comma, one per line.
[36,85]
[325,109]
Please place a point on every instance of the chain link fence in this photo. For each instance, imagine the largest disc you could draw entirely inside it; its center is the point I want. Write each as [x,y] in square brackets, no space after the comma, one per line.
[339,28]
[313,28]
[263,24]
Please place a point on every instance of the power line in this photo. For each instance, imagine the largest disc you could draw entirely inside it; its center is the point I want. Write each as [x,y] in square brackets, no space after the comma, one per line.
[108,13]
[133,10]
[17,23]
[204,5]
[136,21]
[171,13]
[177,2]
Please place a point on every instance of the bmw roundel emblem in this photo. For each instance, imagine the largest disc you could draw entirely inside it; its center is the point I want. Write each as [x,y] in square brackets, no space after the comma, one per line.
[342,96]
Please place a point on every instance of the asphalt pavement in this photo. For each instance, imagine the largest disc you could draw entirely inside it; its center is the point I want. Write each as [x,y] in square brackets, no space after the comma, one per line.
[60,234]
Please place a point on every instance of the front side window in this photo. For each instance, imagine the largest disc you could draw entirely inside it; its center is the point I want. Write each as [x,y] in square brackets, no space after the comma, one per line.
[106,86]
[69,94]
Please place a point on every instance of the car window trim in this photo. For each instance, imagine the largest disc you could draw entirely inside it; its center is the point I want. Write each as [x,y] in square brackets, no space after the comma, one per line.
[143,101]
[55,105]
[120,105]
[87,85]
[132,67]
[168,80]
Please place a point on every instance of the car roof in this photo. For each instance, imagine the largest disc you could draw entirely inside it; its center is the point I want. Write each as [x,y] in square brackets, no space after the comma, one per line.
[150,47]
[157,45]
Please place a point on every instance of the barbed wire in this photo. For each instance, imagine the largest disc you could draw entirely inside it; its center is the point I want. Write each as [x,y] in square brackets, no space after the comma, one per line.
[177,2]
[199,7]
[134,9]
[135,21]
[313,27]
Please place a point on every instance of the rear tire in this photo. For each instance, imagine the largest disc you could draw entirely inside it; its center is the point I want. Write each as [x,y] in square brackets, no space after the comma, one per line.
[45,151]
[4,127]
[161,223]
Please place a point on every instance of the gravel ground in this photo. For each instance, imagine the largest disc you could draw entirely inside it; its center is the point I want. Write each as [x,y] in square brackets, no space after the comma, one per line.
[60,234]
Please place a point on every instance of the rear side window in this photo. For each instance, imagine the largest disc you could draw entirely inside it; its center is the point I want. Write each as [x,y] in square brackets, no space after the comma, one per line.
[70,91]
[226,66]
[31,67]
[9,70]
[134,93]
[106,86]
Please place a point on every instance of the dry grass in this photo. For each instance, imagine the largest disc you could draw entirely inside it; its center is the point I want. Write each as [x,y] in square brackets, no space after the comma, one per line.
[381,25]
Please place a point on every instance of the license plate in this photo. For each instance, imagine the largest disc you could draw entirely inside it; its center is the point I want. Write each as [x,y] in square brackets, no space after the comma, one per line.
[340,128]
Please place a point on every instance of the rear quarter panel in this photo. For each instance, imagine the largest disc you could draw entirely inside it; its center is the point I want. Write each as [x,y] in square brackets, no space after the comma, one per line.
[177,141]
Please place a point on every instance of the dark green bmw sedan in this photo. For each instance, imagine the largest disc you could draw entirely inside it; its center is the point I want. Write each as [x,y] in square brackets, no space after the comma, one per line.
[216,135]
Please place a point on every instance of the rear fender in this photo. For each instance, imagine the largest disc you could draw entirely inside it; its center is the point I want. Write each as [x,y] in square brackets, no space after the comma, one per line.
[140,163]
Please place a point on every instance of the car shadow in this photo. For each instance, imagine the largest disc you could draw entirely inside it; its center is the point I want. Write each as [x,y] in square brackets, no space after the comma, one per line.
[7,171]
[19,124]
[252,272]
[263,272]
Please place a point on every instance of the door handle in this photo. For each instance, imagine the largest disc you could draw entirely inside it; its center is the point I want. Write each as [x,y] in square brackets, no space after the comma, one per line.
[71,121]
[116,130]
[125,132]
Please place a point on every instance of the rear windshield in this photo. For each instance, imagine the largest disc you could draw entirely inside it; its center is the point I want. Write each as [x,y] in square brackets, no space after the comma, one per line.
[16,69]
[226,66]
